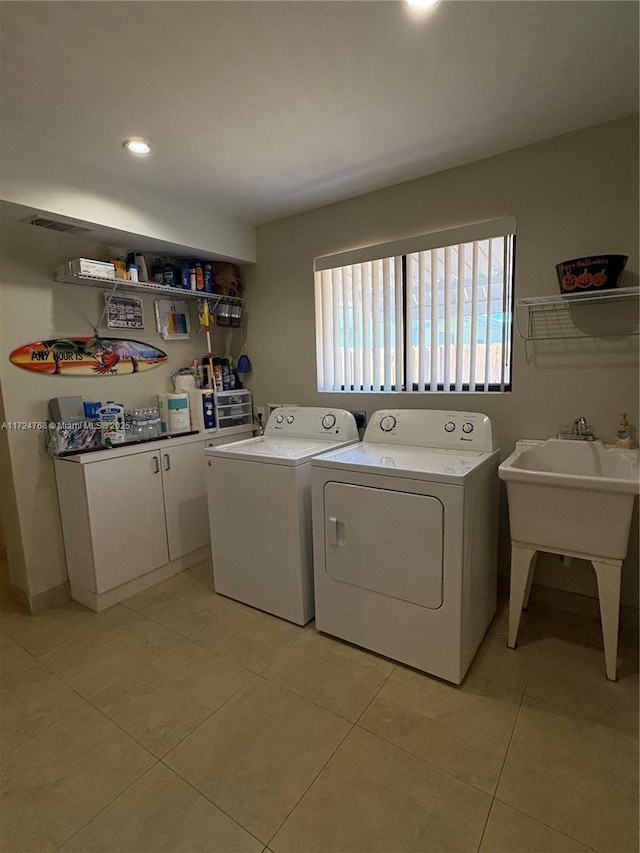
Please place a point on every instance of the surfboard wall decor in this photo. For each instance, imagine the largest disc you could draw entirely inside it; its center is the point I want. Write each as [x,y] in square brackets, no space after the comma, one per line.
[88,356]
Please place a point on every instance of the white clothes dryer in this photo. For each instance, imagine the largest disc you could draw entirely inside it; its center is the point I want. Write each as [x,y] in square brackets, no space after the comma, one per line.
[405,538]
[259,495]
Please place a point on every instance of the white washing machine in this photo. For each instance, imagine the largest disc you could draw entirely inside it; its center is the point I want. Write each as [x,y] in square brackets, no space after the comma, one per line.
[405,538]
[259,494]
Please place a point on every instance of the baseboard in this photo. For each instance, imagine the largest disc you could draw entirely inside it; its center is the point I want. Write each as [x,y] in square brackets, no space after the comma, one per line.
[42,601]
[20,597]
[49,598]
[100,601]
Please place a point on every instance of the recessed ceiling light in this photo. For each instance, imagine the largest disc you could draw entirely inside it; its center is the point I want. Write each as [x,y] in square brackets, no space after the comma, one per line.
[137,146]
[421,5]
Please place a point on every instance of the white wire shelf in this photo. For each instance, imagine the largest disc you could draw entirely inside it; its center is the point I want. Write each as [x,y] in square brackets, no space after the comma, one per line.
[555,317]
[142,287]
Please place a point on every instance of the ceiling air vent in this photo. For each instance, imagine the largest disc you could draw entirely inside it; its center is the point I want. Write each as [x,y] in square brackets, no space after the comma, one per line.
[56,225]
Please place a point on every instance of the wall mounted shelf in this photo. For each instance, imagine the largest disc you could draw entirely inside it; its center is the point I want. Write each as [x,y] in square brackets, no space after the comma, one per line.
[161,290]
[216,301]
[551,317]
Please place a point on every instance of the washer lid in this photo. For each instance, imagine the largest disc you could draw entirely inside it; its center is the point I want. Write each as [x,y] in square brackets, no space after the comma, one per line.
[274,449]
[421,463]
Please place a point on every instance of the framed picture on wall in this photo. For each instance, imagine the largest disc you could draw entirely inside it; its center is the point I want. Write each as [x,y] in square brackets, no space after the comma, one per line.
[124,312]
[172,318]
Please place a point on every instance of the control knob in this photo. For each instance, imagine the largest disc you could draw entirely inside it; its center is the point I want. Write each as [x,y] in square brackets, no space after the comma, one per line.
[467,427]
[329,421]
[279,419]
[449,426]
[387,423]
[290,419]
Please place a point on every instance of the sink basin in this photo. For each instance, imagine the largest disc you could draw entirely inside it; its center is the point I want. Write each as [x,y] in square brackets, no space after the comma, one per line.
[571,496]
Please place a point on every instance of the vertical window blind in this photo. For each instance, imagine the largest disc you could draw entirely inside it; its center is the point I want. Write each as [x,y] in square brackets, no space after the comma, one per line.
[359,319]
[436,318]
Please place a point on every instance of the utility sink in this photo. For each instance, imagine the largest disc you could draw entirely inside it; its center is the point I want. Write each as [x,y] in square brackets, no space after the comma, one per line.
[571,496]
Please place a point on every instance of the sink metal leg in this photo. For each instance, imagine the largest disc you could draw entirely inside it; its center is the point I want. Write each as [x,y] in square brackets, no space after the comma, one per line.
[609,575]
[522,567]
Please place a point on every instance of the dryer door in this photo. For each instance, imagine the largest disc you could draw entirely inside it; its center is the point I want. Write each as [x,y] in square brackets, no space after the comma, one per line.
[386,541]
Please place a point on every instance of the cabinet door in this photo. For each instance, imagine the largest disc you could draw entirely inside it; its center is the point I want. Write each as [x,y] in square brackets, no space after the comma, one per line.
[185,498]
[126,513]
[385,541]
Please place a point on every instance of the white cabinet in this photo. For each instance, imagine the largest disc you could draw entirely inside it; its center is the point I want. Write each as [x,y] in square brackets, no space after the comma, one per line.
[133,516]
[125,511]
[185,498]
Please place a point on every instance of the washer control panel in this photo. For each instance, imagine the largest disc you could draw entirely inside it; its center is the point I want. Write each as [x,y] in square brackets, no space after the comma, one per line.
[431,428]
[312,422]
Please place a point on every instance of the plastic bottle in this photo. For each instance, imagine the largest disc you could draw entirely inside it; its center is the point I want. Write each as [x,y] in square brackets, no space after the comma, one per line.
[226,384]
[132,272]
[156,425]
[184,275]
[623,433]
[137,424]
[217,374]
[145,424]
[199,277]
[112,429]
[232,377]
[151,424]
[208,278]
[141,264]
[129,427]
[192,276]
[169,274]
[157,271]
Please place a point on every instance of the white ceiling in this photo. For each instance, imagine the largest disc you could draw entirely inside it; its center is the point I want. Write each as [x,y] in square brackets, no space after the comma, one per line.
[263,108]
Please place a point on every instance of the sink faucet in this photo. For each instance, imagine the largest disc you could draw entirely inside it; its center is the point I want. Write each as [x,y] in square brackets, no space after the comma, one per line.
[579,427]
[580,431]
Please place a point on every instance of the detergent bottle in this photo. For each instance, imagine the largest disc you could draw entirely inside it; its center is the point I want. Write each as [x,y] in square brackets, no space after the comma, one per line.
[623,433]
[112,429]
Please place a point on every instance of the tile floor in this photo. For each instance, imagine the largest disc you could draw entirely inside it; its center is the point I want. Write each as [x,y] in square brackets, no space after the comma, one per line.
[180,720]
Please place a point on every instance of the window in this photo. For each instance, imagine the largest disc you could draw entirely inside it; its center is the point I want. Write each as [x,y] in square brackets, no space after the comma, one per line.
[431,313]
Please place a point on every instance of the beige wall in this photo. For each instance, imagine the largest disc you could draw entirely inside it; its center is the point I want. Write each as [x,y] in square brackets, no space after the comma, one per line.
[573,195]
[11,546]
[33,307]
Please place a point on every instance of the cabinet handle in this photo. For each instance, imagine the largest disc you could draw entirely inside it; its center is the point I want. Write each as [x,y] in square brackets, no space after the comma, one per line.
[156,464]
[336,531]
[167,462]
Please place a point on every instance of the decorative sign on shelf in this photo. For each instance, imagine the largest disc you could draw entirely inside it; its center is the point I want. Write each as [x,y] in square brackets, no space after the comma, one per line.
[172,319]
[124,312]
[88,356]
